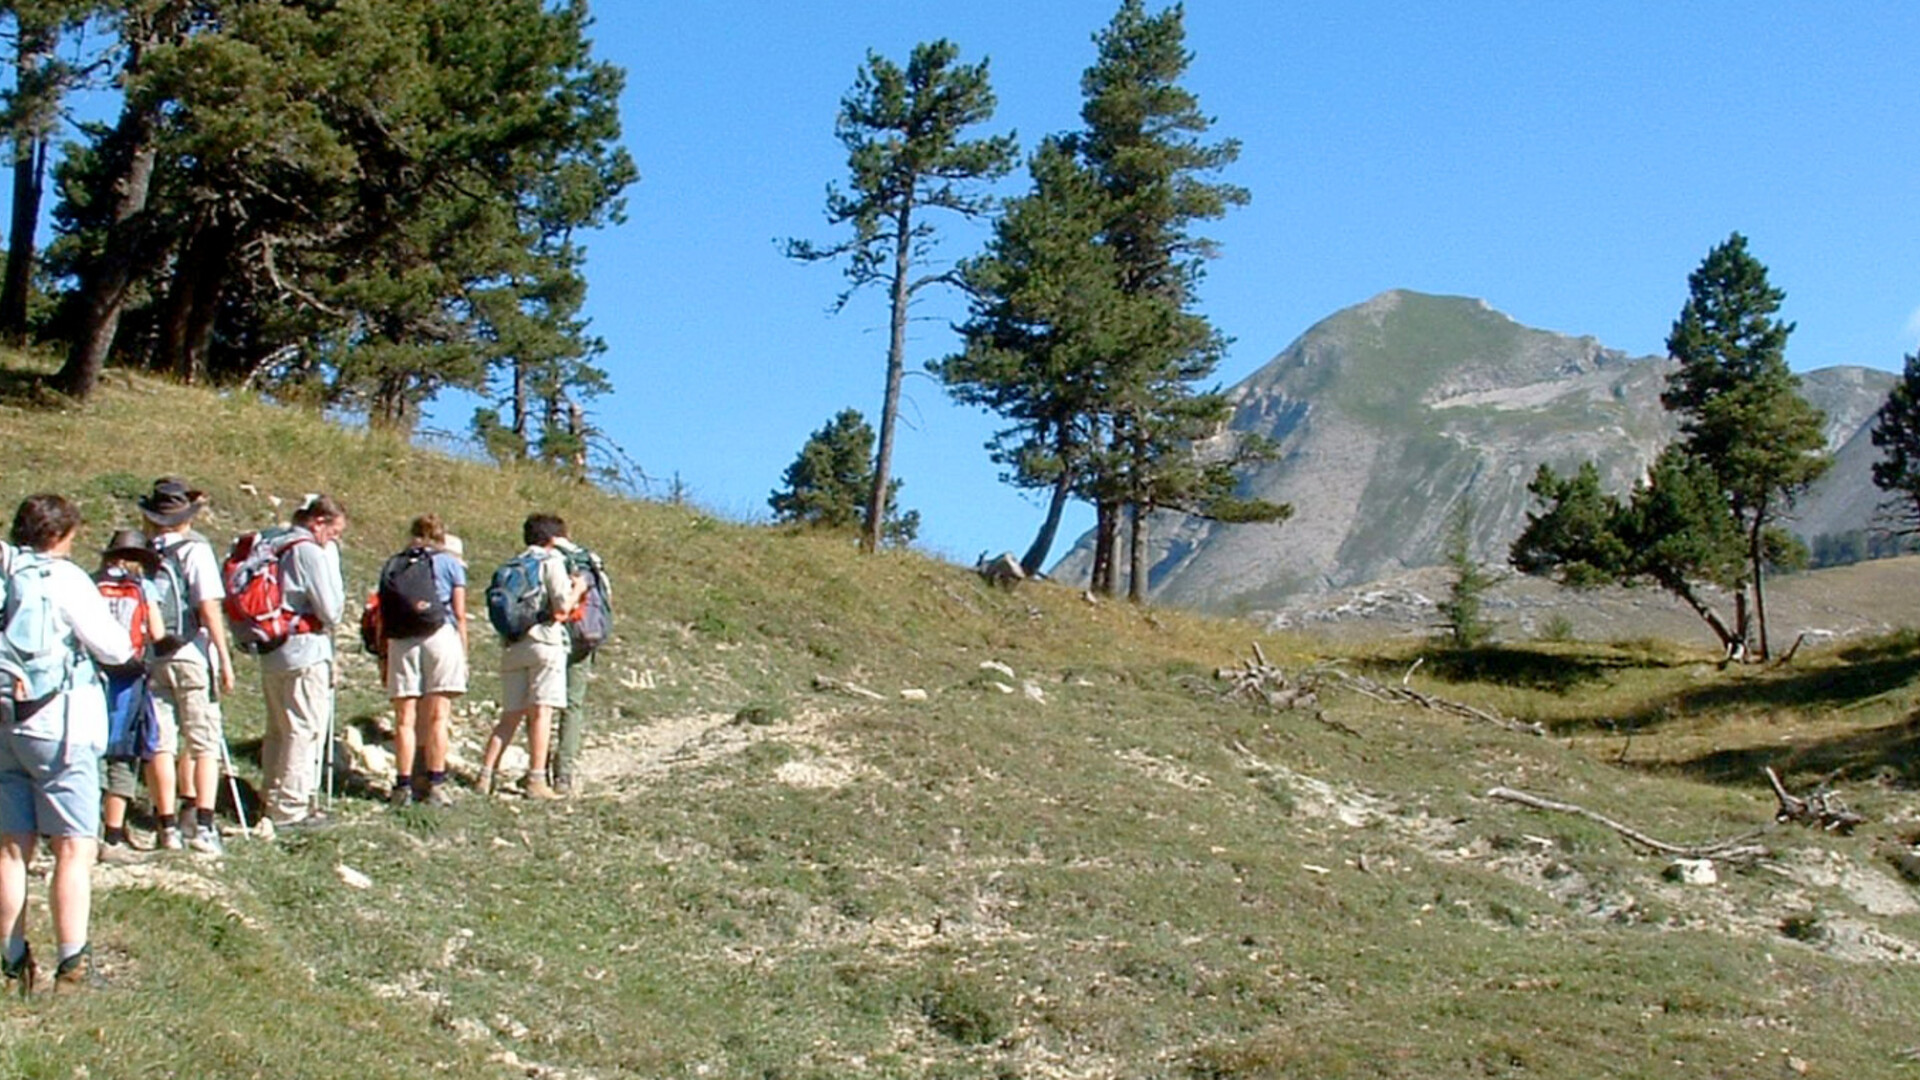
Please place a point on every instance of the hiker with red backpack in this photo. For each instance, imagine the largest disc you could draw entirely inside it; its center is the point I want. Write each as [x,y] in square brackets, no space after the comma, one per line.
[190,670]
[125,582]
[422,600]
[56,633]
[528,601]
[284,597]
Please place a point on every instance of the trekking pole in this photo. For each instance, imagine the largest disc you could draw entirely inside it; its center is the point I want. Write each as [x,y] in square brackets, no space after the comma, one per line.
[233,783]
[326,744]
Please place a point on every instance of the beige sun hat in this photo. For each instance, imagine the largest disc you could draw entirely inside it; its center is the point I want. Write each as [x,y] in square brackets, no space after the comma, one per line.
[453,546]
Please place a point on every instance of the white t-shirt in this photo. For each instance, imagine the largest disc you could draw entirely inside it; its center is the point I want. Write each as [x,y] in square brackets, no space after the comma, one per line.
[78,606]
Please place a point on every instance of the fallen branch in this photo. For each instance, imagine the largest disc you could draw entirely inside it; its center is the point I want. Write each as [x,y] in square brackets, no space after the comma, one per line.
[822,682]
[1740,847]
[1822,807]
[1407,695]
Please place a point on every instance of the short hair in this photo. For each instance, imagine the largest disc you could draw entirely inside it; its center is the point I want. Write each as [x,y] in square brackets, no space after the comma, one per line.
[42,520]
[430,528]
[542,529]
[317,509]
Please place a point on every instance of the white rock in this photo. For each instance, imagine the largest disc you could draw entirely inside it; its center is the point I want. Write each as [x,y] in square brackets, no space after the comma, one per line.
[1034,693]
[995,665]
[351,878]
[1002,687]
[1693,872]
[913,694]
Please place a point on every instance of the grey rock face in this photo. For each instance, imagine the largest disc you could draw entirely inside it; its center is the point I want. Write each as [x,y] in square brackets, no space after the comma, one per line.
[1388,414]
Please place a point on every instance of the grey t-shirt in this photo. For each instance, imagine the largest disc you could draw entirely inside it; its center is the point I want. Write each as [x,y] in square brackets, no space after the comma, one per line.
[310,581]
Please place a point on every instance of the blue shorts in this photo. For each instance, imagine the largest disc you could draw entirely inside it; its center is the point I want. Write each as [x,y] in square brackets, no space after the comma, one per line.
[48,787]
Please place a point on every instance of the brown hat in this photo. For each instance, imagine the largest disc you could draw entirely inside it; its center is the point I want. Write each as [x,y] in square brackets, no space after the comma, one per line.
[130,544]
[171,502]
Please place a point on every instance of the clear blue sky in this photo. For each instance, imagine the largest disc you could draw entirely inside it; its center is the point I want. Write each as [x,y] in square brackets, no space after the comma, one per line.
[1569,163]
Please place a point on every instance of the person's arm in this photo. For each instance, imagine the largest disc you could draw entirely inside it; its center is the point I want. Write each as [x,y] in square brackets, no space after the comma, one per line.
[92,620]
[320,574]
[460,615]
[206,590]
[214,618]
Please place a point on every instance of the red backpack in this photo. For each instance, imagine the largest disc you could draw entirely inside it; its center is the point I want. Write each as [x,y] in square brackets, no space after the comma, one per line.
[256,603]
[128,602]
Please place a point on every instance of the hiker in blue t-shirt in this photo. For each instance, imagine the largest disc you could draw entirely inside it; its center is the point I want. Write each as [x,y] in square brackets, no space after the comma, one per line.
[423,610]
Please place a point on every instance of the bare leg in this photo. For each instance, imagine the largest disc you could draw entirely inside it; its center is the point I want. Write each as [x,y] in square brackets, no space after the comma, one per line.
[14,852]
[71,892]
[162,780]
[206,783]
[406,737]
[539,730]
[436,722]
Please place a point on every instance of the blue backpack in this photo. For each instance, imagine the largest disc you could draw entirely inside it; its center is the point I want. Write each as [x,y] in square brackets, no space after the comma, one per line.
[516,600]
[33,650]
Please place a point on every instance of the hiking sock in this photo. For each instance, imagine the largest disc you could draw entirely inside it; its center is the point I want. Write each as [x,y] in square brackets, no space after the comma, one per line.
[436,777]
[69,950]
[16,949]
[204,815]
[166,822]
[116,834]
[403,782]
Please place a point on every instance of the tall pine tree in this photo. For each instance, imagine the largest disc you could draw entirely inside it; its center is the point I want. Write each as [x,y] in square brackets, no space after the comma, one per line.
[1741,413]
[906,154]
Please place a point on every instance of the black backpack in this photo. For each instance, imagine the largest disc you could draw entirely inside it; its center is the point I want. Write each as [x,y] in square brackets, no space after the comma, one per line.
[410,604]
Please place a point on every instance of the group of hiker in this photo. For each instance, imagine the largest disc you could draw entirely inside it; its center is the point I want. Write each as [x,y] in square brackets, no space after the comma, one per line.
[116,677]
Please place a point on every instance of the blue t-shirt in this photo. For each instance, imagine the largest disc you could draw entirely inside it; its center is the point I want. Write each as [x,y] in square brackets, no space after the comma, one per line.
[449,574]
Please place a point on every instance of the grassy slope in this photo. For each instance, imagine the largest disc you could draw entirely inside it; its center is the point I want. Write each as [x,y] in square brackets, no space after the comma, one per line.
[1131,878]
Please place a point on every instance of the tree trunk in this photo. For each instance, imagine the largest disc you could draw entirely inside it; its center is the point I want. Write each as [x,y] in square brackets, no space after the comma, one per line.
[33,52]
[1137,550]
[1106,532]
[1729,641]
[896,371]
[520,408]
[193,304]
[105,280]
[1035,559]
[577,427]
[1757,554]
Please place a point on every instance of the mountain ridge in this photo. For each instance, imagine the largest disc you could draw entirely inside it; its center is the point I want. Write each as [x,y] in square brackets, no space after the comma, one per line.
[1388,413]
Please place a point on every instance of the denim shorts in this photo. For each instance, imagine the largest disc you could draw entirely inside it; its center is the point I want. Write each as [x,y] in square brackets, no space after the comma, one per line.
[48,787]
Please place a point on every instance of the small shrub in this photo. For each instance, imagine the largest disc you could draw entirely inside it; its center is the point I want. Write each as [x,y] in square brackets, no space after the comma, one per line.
[1804,926]
[1557,629]
[964,1011]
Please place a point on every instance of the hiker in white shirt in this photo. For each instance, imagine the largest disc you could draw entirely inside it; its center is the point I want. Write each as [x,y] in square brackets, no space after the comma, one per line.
[50,755]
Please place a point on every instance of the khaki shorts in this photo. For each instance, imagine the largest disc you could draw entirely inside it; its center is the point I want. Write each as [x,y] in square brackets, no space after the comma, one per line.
[184,706]
[533,673]
[435,664]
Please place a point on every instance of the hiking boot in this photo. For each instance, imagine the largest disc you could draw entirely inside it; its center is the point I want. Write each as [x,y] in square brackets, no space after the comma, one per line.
[537,788]
[401,796]
[189,825]
[22,971]
[314,820]
[207,842]
[438,796]
[563,784]
[76,972]
[483,782]
[169,840]
[118,852]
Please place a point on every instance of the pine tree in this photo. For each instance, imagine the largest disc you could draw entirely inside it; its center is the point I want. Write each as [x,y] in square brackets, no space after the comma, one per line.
[903,132]
[1741,413]
[826,486]
[1463,612]
[1896,431]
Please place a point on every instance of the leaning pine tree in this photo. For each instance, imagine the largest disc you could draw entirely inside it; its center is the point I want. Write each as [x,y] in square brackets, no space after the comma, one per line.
[902,129]
[1896,431]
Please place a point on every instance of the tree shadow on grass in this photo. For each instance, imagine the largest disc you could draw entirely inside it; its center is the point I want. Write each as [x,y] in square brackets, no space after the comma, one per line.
[1890,750]
[1555,673]
[1870,672]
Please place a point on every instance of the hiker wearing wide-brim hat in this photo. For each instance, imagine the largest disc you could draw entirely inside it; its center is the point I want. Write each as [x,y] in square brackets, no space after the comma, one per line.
[171,502]
[131,544]
[191,667]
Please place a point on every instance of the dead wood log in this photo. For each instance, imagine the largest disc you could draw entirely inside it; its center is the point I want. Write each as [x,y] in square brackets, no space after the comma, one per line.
[1407,695]
[1739,847]
[824,682]
[1820,808]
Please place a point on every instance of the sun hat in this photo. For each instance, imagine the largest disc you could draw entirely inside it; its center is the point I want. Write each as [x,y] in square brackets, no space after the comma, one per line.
[130,544]
[453,546]
[171,502]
